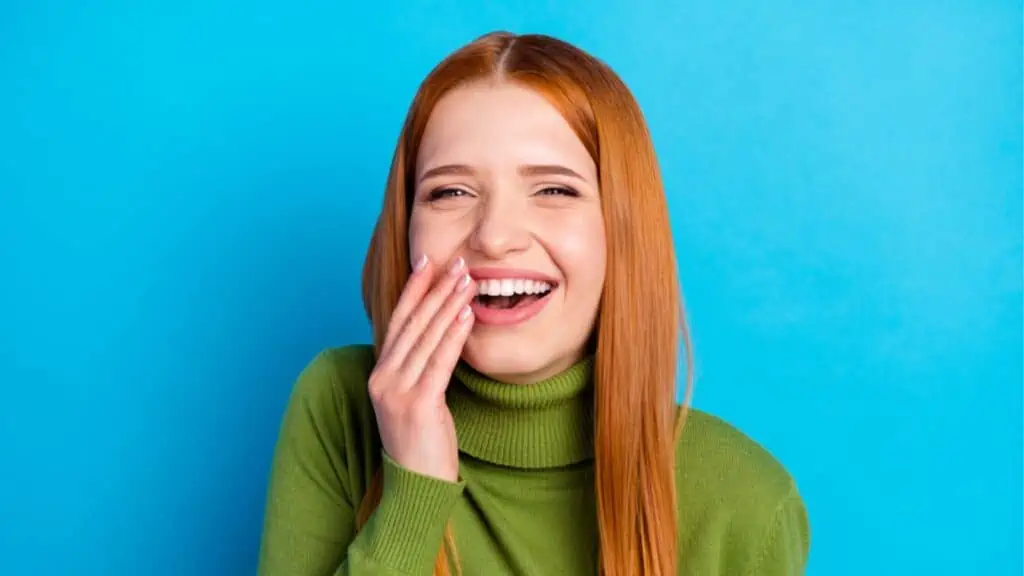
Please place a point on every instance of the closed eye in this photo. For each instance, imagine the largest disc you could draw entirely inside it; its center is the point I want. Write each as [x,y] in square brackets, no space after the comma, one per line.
[443,193]
[558,191]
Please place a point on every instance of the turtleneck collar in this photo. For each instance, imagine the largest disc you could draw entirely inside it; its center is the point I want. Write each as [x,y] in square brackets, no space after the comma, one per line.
[542,425]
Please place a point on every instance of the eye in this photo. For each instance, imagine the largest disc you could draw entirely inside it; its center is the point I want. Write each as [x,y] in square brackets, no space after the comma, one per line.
[444,193]
[558,191]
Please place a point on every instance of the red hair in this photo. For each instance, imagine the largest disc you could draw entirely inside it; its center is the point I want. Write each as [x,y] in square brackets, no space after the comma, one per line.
[641,314]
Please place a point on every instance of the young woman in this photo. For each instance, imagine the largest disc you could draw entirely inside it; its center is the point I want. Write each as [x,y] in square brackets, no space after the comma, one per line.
[516,413]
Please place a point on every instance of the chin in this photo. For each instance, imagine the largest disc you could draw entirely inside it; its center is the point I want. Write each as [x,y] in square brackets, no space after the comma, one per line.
[516,359]
[500,359]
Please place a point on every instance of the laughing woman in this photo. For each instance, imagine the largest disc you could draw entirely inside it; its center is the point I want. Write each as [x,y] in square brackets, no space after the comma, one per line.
[516,413]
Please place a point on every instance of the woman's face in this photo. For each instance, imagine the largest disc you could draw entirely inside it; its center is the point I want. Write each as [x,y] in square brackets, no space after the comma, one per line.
[502,181]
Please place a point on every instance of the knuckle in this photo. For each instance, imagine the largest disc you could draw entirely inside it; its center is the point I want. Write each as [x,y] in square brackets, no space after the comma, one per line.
[378,385]
[386,403]
[377,395]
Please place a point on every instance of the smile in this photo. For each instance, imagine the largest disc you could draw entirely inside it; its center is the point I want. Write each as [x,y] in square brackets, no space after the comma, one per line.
[510,301]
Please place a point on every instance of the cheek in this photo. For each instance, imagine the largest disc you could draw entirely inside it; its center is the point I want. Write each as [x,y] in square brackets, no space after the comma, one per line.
[580,251]
[438,238]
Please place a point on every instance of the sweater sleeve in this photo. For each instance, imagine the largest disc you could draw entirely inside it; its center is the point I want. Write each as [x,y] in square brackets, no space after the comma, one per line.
[309,522]
[786,540]
[404,534]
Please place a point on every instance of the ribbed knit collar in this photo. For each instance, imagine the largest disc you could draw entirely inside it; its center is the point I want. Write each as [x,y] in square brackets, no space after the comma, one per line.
[541,425]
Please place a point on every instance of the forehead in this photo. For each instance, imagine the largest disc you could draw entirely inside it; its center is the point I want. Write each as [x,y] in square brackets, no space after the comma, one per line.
[491,125]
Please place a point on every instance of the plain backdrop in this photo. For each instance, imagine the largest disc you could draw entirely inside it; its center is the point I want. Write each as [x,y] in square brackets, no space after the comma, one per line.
[187,189]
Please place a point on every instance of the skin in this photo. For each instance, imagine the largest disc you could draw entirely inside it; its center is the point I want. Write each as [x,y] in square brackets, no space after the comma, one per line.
[500,214]
[501,181]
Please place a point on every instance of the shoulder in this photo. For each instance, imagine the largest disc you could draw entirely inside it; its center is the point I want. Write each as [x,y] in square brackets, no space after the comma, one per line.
[332,388]
[733,491]
[336,375]
[341,363]
[710,445]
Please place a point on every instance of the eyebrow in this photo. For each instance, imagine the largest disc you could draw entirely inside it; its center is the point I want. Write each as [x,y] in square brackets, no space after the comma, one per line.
[525,170]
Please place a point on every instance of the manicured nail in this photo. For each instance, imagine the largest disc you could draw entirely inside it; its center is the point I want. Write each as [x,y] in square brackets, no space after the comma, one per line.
[463,282]
[465,313]
[457,265]
[421,262]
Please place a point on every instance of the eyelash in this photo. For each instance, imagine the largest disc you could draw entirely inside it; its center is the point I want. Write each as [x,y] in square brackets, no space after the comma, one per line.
[560,190]
[443,193]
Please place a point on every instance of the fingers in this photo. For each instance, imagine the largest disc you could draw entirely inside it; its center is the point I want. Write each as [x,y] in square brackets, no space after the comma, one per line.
[438,371]
[423,352]
[424,312]
[415,288]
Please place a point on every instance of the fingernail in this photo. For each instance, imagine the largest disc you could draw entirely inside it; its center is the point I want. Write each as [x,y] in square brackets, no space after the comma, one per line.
[457,265]
[463,282]
[420,263]
[465,313]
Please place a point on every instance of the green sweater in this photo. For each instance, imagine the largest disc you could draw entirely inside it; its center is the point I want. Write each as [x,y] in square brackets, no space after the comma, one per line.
[525,503]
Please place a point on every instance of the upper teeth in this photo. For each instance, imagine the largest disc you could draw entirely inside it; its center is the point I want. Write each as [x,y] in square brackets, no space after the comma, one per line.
[510,286]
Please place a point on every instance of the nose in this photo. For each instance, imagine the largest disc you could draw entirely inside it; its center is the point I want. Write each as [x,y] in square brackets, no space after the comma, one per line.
[500,230]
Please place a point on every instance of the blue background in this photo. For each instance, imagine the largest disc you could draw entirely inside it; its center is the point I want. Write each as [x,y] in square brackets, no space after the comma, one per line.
[187,189]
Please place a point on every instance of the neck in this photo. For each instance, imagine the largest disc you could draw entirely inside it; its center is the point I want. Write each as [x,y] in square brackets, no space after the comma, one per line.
[545,373]
[545,424]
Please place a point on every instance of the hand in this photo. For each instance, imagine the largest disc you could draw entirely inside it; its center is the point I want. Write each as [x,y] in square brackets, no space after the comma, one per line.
[423,343]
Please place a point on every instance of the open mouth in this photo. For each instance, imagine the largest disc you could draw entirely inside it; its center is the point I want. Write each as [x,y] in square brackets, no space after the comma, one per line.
[511,293]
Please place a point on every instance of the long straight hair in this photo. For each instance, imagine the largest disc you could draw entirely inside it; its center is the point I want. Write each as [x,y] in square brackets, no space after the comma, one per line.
[641,315]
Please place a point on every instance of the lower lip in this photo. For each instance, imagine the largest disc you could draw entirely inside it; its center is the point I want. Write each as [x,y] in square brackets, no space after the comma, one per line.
[508,316]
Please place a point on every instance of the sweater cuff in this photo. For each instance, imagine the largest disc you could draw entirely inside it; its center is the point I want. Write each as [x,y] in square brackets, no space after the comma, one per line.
[407,529]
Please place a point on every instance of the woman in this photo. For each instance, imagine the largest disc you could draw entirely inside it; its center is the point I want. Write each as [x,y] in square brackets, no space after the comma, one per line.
[517,414]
